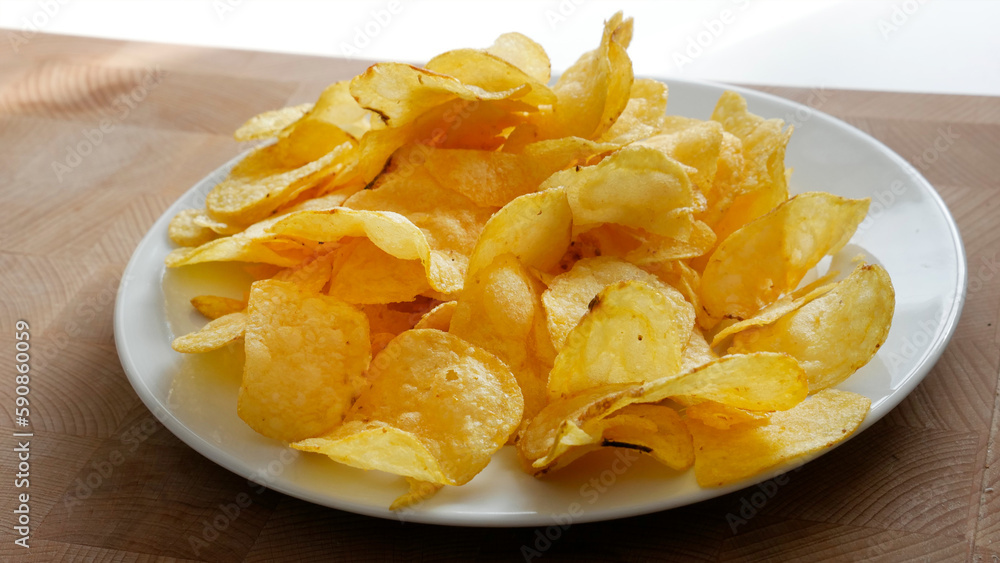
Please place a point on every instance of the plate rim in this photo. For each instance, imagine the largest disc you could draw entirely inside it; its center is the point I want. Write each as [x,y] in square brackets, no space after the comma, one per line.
[924,364]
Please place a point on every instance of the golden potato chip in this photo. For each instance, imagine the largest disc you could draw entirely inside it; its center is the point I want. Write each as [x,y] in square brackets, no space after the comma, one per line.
[697,352]
[721,416]
[438,318]
[389,231]
[270,123]
[536,228]
[634,332]
[668,440]
[637,187]
[214,306]
[437,409]
[740,452]
[312,275]
[261,183]
[482,69]
[643,115]
[569,295]
[400,93]
[760,382]
[725,186]
[419,492]
[524,53]
[184,229]
[834,334]
[366,274]
[498,310]
[306,355]
[779,249]
[214,335]
[698,147]
[595,90]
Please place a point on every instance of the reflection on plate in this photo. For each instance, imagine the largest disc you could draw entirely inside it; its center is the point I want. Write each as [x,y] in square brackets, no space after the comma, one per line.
[909,231]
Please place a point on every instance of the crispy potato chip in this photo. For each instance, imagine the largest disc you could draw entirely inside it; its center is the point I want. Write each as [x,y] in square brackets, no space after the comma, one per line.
[536,228]
[312,275]
[569,295]
[637,187]
[366,274]
[214,306]
[184,229]
[633,332]
[667,440]
[523,53]
[697,352]
[723,417]
[438,318]
[419,492]
[595,90]
[437,409]
[306,355]
[740,452]
[270,123]
[761,382]
[400,93]
[214,335]
[482,69]
[780,247]
[262,182]
[498,310]
[643,115]
[834,334]
[389,231]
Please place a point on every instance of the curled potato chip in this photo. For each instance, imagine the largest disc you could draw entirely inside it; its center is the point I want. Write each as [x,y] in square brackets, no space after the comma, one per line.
[184,229]
[524,53]
[656,430]
[760,381]
[366,274]
[491,73]
[419,492]
[498,310]
[306,355]
[536,228]
[214,335]
[724,456]
[438,318]
[437,409]
[722,416]
[568,296]
[637,187]
[833,334]
[643,115]
[214,306]
[270,123]
[697,146]
[745,273]
[262,182]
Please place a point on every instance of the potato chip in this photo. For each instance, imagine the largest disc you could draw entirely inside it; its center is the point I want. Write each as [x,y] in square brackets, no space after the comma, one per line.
[637,187]
[366,274]
[306,355]
[184,229]
[697,352]
[652,429]
[437,409]
[438,318]
[722,416]
[536,228]
[643,115]
[270,123]
[834,334]
[261,183]
[740,452]
[697,146]
[760,382]
[781,247]
[482,69]
[419,492]
[523,53]
[569,295]
[312,275]
[214,306]
[214,335]
[498,310]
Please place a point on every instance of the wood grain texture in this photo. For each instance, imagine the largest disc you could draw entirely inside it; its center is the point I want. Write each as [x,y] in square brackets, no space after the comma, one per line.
[923,484]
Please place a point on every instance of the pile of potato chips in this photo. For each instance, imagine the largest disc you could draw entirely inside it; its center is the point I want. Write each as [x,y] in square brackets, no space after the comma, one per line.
[462,256]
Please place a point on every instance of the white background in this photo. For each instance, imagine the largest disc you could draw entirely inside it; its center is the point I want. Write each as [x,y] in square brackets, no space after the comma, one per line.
[946,46]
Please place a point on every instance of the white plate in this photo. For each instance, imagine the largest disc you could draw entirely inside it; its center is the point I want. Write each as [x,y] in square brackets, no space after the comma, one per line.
[909,231]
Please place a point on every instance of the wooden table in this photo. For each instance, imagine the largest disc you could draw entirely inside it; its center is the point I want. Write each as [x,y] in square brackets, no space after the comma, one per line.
[108,483]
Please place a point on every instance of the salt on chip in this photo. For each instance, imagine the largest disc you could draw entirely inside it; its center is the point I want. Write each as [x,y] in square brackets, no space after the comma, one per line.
[437,409]
[834,334]
[306,356]
[731,455]
[769,256]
